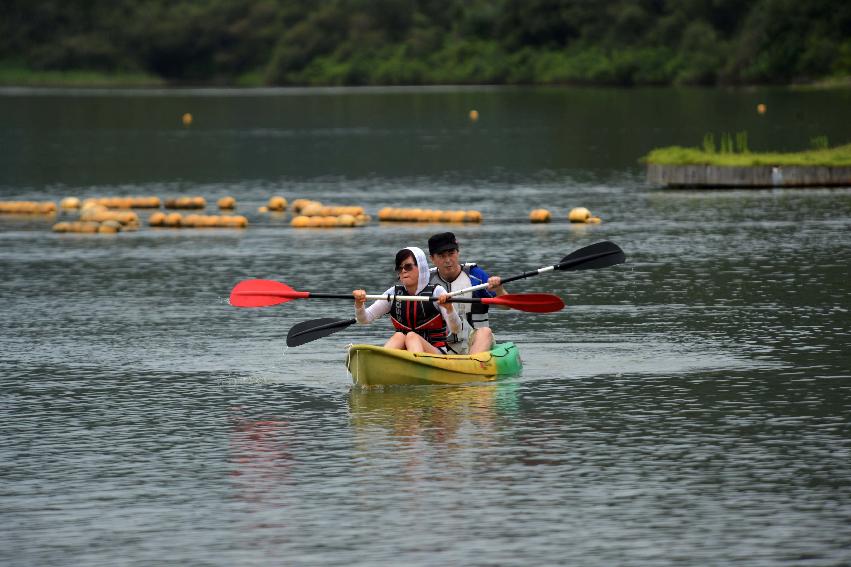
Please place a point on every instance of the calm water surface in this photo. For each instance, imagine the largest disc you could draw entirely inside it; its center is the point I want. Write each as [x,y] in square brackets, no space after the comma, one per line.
[688,408]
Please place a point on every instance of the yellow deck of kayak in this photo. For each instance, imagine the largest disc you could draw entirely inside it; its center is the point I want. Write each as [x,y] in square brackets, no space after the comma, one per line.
[372,365]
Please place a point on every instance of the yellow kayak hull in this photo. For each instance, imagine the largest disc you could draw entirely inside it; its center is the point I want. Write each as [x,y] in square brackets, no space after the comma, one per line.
[372,365]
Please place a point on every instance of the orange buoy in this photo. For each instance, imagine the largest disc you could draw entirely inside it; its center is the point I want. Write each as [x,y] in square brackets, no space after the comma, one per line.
[579,214]
[277,203]
[540,216]
[227,203]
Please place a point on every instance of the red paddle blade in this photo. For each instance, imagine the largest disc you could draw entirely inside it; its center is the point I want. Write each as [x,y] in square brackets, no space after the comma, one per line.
[263,293]
[533,302]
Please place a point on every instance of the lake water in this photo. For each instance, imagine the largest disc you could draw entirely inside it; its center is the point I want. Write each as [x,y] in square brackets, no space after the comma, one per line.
[690,407]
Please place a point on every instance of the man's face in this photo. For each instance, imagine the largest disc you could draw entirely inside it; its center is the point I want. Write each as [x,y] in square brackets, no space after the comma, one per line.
[447,263]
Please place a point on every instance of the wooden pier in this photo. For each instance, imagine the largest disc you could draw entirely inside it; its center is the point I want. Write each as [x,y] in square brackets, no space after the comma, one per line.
[706,176]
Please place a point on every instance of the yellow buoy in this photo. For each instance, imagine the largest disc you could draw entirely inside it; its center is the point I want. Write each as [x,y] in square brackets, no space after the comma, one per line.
[156,219]
[187,119]
[70,203]
[300,221]
[579,214]
[473,216]
[540,215]
[277,203]
[173,219]
[346,220]
[227,203]
[474,115]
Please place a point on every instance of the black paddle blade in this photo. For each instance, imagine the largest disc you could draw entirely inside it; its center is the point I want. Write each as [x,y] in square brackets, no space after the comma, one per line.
[599,255]
[308,331]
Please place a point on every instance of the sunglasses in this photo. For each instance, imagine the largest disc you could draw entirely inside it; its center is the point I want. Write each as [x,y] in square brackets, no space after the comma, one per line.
[405,267]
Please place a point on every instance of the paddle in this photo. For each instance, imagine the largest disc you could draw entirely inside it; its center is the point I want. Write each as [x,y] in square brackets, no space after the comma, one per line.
[308,331]
[599,255]
[263,293]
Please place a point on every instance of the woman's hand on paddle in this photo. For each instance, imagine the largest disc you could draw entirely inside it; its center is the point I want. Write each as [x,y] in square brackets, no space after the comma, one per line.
[360,298]
[444,301]
[494,282]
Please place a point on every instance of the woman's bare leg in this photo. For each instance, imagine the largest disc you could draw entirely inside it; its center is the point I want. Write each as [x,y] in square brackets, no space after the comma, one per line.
[415,343]
[396,341]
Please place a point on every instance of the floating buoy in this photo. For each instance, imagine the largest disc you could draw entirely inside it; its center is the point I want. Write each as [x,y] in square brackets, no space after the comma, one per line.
[594,220]
[579,214]
[277,203]
[299,204]
[761,108]
[474,115]
[540,215]
[300,221]
[70,203]
[227,203]
[156,219]
[263,209]
[473,216]
[173,220]
[186,119]
[110,227]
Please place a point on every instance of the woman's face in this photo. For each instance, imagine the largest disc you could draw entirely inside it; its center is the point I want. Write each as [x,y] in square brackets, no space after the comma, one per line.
[408,272]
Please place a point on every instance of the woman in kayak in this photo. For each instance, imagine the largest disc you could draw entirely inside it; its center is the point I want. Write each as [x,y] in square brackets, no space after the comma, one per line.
[422,326]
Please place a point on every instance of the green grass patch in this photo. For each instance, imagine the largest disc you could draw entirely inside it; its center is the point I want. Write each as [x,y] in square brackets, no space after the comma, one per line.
[22,77]
[839,156]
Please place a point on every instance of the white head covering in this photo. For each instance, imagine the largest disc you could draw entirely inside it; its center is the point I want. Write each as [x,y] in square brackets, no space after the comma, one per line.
[422,265]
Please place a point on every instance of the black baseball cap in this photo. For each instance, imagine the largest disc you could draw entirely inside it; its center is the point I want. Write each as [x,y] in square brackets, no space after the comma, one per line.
[441,243]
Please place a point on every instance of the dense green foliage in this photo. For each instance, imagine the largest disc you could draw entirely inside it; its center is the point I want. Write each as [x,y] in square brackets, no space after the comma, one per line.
[839,156]
[358,42]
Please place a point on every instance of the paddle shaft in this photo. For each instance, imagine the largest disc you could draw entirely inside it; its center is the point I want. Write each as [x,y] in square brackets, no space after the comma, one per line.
[561,266]
[389,297]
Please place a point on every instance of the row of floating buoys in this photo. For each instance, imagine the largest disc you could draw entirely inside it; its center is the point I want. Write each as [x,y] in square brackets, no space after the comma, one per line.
[319,210]
[186,202]
[99,213]
[150,202]
[27,207]
[93,227]
[576,215]
[300,204]
[428,215]
[176,220]
[331,221]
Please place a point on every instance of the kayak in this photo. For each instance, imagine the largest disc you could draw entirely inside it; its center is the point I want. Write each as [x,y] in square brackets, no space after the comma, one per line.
[372,365]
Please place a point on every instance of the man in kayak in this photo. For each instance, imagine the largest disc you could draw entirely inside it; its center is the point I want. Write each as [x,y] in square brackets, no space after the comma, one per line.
[475,335]
[422,326]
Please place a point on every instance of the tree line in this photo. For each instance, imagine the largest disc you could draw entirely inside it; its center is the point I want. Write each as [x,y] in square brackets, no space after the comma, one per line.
[411,42]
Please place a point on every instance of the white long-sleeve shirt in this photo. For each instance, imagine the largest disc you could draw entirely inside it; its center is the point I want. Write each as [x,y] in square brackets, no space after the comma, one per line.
[365,315]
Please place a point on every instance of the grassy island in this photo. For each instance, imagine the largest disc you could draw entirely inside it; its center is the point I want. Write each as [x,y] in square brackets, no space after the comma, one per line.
[839,156]
[736,166]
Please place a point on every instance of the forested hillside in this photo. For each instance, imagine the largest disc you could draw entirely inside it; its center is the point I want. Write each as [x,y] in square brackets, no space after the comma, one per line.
[395,42]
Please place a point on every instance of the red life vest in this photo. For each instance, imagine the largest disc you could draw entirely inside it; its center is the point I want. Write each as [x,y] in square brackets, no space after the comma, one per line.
[421,317]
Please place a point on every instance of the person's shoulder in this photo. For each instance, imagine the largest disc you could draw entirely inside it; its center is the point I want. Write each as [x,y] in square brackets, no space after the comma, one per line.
[479,274]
